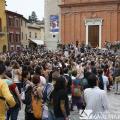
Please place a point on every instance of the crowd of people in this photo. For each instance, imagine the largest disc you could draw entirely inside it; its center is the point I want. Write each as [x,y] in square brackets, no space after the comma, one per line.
[114,46]
[51,83]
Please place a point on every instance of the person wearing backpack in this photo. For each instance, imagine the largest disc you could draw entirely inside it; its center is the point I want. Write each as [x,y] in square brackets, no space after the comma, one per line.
[47,108]
[69,80]
[76,92]
[12,113]
[27,95]
[37,98]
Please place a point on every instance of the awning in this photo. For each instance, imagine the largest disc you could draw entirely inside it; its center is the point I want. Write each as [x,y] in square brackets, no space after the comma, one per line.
[38,42]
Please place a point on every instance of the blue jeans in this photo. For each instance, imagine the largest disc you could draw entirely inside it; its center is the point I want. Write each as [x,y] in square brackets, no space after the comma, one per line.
[60,118]
[51,115]
[12,113]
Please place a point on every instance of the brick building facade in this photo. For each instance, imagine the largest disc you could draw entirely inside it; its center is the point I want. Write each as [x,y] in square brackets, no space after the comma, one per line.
[14,30]
[90,21]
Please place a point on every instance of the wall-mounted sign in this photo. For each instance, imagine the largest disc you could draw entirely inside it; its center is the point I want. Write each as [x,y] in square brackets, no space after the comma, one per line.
[54,23]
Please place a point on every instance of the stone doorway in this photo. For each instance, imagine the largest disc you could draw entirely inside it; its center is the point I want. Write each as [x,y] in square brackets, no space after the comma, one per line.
[93,35]
[94,32]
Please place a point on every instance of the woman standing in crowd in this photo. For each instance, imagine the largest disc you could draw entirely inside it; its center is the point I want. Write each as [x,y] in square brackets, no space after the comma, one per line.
[27,98]
[16,75]
[103,80]
[60,99]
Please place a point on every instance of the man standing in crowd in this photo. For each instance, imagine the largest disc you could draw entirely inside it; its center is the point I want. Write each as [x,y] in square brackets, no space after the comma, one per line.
[95,98]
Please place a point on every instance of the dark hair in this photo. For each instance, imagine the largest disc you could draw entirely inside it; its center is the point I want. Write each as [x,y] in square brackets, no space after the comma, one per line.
[2,68]
[65,70]
[74,73]
[38,70]
[24,74]
[92,63]
[16,65]
[25,68]
[9,74]
[92,80]
[60,83]
[7,63]
[100,72]
[36,79]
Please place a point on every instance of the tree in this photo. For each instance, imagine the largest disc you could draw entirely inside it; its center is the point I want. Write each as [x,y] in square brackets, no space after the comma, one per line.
[33,17]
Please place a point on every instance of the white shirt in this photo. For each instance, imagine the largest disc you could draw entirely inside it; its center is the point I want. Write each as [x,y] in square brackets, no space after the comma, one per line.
[42,80]
[96,100]
[105,82]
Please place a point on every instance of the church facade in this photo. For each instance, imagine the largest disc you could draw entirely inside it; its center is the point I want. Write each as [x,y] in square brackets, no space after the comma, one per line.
[90,21]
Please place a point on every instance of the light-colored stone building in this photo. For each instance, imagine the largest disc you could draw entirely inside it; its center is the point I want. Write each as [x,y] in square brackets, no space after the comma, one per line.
[24,33]
[3,28]
[51,9]
[35,31]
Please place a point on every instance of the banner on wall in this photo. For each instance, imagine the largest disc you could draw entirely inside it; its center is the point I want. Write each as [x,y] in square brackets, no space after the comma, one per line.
[54,23]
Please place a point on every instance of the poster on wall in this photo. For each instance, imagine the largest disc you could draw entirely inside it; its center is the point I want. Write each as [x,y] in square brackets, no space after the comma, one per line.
[54,23]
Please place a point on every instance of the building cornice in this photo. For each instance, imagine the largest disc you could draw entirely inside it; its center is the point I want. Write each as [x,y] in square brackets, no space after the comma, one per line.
[89,3]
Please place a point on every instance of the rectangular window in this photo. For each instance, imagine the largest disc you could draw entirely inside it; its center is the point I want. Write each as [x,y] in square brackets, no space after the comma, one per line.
[10,37]
[21,22]
[16,38]
[19,37]
[30,34]
[26,36]
[0,25]
[22,35]
[17,23]
[25,24]
[10,22]
[13,38]
[35,35]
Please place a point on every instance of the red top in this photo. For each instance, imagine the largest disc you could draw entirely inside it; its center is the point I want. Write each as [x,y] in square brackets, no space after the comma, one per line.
[12,87]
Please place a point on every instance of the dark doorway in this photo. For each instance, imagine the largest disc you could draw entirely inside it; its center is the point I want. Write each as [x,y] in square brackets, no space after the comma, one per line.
[4,48]
[93,35]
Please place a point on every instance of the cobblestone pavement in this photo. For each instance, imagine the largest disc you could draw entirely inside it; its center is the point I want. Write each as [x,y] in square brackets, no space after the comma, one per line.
[114,101]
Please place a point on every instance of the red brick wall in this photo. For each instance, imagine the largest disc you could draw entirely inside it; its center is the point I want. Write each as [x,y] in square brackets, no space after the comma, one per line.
[73,22]
[119,23]
[85,1]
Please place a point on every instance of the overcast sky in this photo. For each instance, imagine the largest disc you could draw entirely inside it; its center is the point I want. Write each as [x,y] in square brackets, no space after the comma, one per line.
[25,7]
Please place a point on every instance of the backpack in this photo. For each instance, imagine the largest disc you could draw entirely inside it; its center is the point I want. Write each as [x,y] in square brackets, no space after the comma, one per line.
[84,83]
[47,92]
[76,88]
[36,106]
[69,80]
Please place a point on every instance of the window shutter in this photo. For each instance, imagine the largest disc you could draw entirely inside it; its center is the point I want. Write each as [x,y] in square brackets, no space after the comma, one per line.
[0,25]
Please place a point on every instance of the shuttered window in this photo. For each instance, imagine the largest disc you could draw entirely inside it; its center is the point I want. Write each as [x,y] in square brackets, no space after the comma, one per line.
[0,25]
